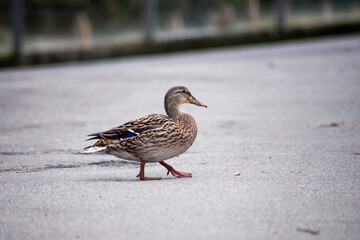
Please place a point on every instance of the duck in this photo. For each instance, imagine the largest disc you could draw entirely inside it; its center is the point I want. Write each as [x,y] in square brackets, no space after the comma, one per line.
[153,138]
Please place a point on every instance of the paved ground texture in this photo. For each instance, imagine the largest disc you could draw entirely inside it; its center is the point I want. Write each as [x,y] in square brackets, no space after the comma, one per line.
[286,116]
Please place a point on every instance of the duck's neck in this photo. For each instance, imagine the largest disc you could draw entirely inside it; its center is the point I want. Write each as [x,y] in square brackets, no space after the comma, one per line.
[173,109]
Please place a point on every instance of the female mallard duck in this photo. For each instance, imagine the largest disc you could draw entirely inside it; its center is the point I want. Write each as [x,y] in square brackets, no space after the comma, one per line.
[153,138]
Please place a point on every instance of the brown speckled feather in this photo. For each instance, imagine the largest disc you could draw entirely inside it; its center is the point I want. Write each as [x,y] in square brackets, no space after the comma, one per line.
[153,138]
[157,142]
[139,125]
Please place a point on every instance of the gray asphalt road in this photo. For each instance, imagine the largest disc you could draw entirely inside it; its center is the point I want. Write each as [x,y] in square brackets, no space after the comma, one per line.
[285,115]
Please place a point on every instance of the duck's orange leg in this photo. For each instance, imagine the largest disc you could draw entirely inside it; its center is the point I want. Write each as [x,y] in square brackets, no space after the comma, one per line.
[142,173]
[173,171]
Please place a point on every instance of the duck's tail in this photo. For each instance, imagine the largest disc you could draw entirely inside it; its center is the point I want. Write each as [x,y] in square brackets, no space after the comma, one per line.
[92,149]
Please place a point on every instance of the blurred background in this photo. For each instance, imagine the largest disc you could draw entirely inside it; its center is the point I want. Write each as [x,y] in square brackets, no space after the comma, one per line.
[42,31]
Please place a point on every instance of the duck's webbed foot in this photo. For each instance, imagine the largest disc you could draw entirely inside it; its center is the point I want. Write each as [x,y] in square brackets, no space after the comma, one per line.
[173,171]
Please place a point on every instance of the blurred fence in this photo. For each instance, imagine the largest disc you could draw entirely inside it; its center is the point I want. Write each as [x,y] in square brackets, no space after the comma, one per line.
[33,31]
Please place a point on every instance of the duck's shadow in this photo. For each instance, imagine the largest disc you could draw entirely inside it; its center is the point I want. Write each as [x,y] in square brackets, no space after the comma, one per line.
[113,163]
[117,179]
[105,163]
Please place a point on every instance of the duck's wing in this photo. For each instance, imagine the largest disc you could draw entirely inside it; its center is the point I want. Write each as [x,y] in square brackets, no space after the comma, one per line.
[152,145]
[132,128]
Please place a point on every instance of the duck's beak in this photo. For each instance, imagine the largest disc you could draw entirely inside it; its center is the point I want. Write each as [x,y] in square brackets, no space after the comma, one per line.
[197,102]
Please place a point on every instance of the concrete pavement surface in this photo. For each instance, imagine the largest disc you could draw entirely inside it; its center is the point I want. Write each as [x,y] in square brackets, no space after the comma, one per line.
[286,116]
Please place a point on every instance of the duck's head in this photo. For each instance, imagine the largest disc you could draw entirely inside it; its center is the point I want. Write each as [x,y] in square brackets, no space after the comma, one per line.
[181,95]
[178,95]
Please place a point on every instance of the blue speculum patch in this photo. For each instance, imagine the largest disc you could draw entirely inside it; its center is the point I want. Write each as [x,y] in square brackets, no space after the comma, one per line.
[129,134]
